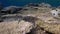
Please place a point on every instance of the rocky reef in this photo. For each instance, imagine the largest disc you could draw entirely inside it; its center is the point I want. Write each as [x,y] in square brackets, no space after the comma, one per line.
[30,19]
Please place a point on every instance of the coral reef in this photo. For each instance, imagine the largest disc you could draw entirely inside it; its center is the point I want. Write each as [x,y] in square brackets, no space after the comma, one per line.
[30,19]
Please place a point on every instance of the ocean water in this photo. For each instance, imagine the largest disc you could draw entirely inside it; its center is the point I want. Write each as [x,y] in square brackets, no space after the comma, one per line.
[6,3]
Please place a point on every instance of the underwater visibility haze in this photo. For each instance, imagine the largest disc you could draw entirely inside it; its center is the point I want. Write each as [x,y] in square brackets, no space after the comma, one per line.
[54,3]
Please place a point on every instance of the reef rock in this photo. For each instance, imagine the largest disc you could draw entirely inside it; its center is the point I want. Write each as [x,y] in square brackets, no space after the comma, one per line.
[14,27]
[10,9]
[44,5]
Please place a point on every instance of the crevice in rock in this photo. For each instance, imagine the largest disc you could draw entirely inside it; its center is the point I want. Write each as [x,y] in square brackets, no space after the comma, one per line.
[39,30]
[49,32]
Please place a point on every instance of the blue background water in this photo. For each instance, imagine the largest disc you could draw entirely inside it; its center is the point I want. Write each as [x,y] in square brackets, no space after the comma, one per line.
[54,3]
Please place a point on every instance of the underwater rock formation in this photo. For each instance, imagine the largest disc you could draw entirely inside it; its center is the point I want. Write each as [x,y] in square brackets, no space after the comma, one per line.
[56,13]
[45,5]
[30,19]
[14,27]
[25,27]
[10,9]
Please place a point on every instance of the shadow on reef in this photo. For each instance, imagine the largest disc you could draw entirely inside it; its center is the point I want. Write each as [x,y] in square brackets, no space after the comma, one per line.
[39,30]
[30,19]
[21,17]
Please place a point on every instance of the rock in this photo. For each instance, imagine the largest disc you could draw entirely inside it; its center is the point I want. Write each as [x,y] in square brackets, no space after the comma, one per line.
[11,9]
[52,28]
[55,13]
[14,27]
[34,21]
[25,27]
[45,5]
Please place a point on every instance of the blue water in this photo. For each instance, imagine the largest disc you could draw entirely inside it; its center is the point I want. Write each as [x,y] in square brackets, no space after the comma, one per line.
[54,3]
